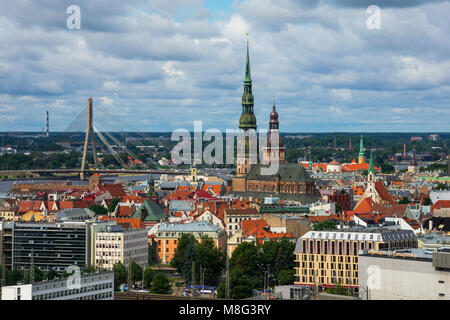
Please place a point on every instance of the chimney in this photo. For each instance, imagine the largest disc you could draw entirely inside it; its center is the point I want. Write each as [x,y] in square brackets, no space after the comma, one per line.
[48,131]
[404,150]
[350,144]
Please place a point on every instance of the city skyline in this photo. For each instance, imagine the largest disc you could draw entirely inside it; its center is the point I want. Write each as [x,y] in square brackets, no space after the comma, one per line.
[161,66]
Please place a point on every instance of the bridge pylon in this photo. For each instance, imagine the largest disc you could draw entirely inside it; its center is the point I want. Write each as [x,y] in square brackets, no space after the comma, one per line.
[89,134]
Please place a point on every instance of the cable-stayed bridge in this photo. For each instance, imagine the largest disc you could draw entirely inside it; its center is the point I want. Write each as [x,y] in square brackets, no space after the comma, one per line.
[113,141]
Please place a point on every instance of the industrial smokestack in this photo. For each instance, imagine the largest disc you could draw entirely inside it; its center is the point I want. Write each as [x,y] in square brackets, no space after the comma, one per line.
[48,131]
[404,150]
[350,144]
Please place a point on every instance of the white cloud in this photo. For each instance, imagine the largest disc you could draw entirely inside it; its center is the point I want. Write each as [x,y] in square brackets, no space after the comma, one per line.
[169,69]
[157,57]
[343,94]
[106,101]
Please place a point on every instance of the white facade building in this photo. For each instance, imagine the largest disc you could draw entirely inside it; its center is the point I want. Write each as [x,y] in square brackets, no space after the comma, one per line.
[413,274]
[95,286]
[116,245]
[437,195]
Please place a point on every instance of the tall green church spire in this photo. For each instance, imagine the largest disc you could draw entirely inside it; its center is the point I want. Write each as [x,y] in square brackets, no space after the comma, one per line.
[371,169]
[248,76]
[248,119]
[361,148]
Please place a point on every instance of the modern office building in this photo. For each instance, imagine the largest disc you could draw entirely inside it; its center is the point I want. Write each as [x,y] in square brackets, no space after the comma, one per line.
[95,286]
[116,245]
[49,246]
[327,258]
[411,274]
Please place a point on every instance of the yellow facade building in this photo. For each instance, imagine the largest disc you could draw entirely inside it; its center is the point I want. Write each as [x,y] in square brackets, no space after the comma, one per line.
[327,258]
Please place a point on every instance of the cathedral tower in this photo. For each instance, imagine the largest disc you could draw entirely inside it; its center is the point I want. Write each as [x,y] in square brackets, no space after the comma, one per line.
[274,153]
[361,158]
[247,141]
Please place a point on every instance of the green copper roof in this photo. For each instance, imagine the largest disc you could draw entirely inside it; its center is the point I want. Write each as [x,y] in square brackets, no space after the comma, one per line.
[247,120]
[248,76]
[361,148]
[150,211]
[287,172]
[371,169]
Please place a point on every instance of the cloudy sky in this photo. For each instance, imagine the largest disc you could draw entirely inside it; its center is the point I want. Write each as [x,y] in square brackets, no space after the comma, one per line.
[159,65]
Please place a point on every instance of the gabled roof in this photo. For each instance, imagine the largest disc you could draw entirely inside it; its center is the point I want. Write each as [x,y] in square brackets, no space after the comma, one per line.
[440,204]
[29,205]
[389,210]
[149,211]
[135,199]
[66,204]
[286,172]
[383,192]
[364,206]
[357,191]
[215,188]
[124,211]
[352,167]
[258,230]
[177,195]
[186,188]
[115,189]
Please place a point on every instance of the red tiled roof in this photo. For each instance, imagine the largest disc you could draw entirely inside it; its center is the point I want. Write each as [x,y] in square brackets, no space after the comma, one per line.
[364,206]
[440,204]
[258,229]
[357,191]
[215,188]
[68,204]
[322,166]
[135,199]
[200,194]
[357,167]
[115,189]
[185,188]
[124,211]
[384,194]
[177,195]
[389,210]
[29,205]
